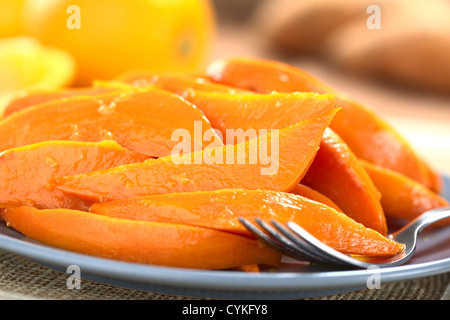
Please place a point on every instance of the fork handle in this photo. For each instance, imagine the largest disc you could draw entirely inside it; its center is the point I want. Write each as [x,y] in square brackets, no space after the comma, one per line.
[421,222]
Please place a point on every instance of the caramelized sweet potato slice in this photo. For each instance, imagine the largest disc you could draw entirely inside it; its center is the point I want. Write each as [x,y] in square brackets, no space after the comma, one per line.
[140,120]
[259,111]
[335,171]
[369,136]
[314,195]
[41,96]
[240,166]
[25,171]
[165,244]
[221,210]
[173,82]
[402,197]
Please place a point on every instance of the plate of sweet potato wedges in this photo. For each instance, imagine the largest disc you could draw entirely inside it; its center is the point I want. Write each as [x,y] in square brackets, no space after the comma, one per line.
[141,181]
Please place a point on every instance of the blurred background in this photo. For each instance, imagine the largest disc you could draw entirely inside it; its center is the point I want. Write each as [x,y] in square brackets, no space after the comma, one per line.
[393,55]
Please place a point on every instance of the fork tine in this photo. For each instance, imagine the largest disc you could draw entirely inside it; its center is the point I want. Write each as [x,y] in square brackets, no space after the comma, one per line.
[294,241]
[279,241]
[300,251]
[285,243]
[266,239]
[312,254]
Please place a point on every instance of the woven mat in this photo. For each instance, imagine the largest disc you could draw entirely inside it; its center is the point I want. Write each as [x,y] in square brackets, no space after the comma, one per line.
[21,278]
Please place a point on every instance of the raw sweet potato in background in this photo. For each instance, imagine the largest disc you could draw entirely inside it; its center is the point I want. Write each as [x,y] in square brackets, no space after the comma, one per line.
[411,48]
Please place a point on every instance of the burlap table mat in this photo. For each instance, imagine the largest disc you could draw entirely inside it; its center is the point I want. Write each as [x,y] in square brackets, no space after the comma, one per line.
[21,278]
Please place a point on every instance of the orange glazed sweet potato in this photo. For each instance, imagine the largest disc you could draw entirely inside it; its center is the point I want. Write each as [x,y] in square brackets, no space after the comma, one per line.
[177,83]
[40,96]
[402,197]
[141,120]
[240,166]
[166,244]
[259,111]
[158,168]
[221,210]
[25,172]
[314,195]
[337,173]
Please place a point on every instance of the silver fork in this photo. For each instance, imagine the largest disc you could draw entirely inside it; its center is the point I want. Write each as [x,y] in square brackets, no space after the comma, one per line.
[296,242]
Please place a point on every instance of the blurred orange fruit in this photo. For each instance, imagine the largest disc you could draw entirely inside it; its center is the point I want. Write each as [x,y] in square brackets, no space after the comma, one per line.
[108,38]
[11,18]
[25,64]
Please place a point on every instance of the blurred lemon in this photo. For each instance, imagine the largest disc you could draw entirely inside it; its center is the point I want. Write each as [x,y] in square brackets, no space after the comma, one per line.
[11,18]
[108,38]
[27,65]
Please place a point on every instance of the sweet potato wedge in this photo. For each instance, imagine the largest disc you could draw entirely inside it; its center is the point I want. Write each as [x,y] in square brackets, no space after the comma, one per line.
[177,83]
[402,197]
[25,172]
[337,173]
[165,244]
[310,193]
[40,96]
[259,111]
[221,210]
